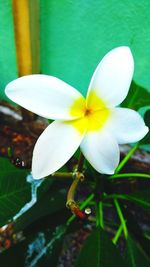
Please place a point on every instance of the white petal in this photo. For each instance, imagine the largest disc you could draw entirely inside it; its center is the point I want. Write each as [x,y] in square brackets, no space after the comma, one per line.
[44,95]
[126,125]
[54,148]
[112,77]
[101,150]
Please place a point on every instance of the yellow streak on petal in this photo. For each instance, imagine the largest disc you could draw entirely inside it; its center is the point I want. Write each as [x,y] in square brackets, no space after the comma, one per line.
[79,124]
[99,113]
[92,122]
[94,102]
[97,120]
[78,107]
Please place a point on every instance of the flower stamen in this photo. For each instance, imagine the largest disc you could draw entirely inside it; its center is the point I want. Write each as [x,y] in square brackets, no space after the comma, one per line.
[87,112]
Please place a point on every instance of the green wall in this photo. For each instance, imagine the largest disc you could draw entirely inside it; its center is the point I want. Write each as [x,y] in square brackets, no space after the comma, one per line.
[8,67]
[75,35]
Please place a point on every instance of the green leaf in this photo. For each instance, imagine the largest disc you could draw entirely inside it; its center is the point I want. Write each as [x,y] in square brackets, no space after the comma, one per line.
[99,251]
[14,190]
[52,201]
[44,187]
[75,35]
[7,48]
[137,97]
[135,255]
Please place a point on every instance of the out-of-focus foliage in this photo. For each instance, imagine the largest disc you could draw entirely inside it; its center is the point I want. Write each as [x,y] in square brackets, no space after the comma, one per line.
[137,97]
[37,250]
[146,139]
[135,255]
[141,198]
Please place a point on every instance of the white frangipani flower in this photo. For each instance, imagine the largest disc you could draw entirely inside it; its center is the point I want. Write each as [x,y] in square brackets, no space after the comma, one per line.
[93,123]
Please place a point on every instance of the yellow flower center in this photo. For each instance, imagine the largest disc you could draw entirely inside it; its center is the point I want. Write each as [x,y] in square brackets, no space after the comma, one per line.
[78,108]
[92,113]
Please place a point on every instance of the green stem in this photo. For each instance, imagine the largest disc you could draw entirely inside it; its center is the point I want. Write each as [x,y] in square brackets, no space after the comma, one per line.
[97,214]
[83,205]
[117,235]
[147,236]
[121,217]
[126,158]
[126,175]
[101,214]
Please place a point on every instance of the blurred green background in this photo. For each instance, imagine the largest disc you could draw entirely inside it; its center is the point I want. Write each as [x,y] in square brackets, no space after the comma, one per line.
[75,35]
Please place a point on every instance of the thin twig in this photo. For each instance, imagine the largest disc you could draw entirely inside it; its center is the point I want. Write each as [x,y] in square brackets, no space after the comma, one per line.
[62,174]
[80,163]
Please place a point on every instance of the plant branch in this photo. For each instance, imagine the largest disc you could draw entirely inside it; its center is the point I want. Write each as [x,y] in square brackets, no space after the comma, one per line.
[80,163]
[71,204]
[62,174]
[71,192]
